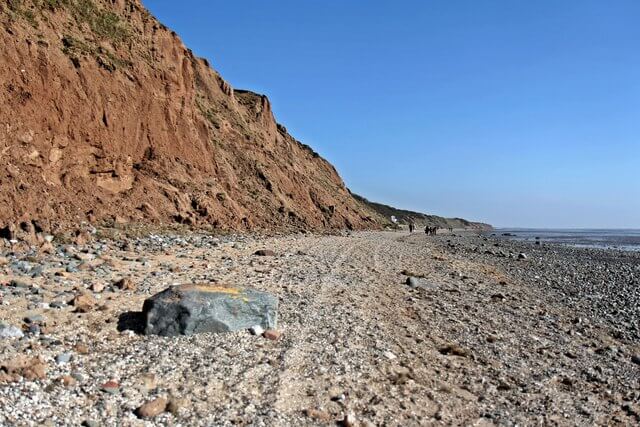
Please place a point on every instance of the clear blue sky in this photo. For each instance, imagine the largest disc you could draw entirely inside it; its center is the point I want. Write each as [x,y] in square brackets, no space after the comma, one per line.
[517,113]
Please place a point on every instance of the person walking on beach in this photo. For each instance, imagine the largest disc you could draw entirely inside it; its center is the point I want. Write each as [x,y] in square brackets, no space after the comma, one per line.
[411,227]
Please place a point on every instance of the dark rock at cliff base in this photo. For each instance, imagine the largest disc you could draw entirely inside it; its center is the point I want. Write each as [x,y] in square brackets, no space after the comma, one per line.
[191,309]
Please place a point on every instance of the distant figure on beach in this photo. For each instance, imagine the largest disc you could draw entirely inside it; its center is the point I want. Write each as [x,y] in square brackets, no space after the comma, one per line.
[431,231]
[410,227]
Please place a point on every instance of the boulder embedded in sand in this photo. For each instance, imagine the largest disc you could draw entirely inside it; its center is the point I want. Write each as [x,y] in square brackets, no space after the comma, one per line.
[191,309]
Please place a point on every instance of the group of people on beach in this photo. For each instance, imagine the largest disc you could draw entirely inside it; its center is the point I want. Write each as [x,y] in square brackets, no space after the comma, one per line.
[430,231]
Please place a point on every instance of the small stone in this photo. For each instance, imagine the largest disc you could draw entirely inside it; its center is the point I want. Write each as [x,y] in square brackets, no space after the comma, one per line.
[570,355]
[272,334]
[522,256]
[97,287]
[37,271]
[30,368]
[47,248]
[319,415]
[81,256]
[77,375]
[256,330]
[84,302]
[82,238]
[632,409]
[339,398]
[503,386]
[125,284]
[10,331]
[19,284]
[148,381]
[417,282]
[111,387]
[152,408]
[265,252]
[491,338]
[175,404]
[413,282]
[453,349]
[90,423]
[81,348]
[67,381]
[636,359]
[63,358]
[34,319]
[389,355]
[349,420]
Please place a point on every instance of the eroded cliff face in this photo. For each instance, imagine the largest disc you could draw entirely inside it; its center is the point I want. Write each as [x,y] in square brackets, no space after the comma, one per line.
[105,114]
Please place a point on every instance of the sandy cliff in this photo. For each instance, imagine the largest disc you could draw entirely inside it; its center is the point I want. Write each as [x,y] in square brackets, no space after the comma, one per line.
[420,219]
[107,116]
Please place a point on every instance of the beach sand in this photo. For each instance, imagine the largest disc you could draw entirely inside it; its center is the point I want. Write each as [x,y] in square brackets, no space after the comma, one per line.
[486,337]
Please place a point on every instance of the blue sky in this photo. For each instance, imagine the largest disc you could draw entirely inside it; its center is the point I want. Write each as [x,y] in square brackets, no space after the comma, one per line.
[517,113]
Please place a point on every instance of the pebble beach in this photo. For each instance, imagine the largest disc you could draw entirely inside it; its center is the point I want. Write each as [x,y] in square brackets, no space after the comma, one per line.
[374,328]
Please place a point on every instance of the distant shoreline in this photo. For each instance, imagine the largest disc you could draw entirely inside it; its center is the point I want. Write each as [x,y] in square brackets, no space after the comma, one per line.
[609,239]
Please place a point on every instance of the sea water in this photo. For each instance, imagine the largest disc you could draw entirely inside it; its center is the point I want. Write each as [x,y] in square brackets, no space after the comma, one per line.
[595,238]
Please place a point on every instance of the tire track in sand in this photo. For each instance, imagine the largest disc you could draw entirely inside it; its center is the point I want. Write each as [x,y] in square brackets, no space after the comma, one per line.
[299,349]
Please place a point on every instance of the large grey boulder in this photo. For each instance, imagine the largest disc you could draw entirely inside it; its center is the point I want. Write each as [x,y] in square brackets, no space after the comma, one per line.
[192,309]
